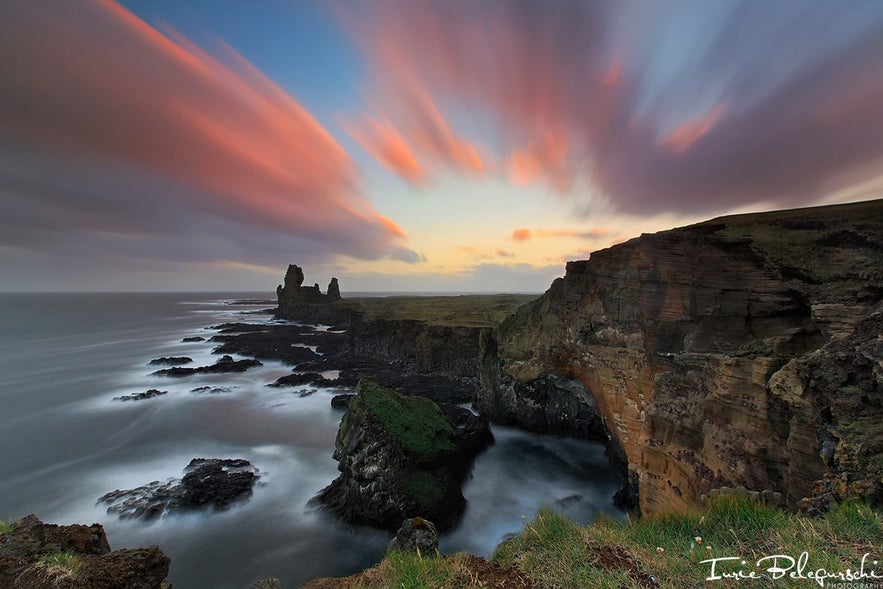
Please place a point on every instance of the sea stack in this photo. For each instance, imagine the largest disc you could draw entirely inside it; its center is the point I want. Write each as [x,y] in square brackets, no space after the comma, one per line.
[295,300]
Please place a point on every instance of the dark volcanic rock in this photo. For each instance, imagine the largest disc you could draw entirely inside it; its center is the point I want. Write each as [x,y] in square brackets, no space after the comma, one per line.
[237,327]
[211,390]
[297,379]
[193,339]
[223,365]
[29,539]
[416,535]
[333,290]
[278,342]
[401,457]
[293,295]
[149,394]
[341,401]
[171,361]
[207,482]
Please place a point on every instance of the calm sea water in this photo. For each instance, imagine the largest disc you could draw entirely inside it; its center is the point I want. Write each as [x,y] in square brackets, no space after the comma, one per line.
[64,442]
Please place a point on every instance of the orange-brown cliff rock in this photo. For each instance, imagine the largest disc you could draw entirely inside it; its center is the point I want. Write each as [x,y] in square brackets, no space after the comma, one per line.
[744,350]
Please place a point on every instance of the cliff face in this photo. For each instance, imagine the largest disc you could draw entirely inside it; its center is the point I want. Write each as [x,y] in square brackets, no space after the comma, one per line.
[740,351]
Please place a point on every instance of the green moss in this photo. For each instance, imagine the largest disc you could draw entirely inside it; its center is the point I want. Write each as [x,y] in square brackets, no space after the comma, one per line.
[416,423]
[4,527]
[425,489]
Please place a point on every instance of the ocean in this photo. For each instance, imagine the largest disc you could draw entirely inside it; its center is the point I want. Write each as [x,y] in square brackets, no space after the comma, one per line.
[65,441]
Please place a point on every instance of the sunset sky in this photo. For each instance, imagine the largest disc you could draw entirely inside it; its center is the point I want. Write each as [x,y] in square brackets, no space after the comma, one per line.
[412,145]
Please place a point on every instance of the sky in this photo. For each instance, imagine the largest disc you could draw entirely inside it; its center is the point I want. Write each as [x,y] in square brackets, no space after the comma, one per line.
[412,145]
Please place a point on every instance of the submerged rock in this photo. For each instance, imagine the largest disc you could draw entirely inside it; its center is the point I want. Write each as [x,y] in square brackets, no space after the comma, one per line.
[207,482]
[223,365]
[148,394]
[92,564]
[211,390]
[196,338]
[296,379]
[171,361]
[402,457]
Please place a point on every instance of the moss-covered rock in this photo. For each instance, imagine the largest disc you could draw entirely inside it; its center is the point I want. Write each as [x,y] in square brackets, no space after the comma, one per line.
[400,457]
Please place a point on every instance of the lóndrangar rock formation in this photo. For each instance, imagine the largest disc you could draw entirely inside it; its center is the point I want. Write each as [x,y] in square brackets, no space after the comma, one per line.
[296,300]
[745,350]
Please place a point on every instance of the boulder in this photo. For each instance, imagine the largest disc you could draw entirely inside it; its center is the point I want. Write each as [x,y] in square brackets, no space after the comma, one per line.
[207,482]
[416,535]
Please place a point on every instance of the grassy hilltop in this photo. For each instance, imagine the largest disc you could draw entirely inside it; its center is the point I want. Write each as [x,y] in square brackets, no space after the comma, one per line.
[454,311]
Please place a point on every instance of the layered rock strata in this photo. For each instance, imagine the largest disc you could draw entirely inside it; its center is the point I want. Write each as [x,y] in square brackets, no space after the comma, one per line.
[740,351]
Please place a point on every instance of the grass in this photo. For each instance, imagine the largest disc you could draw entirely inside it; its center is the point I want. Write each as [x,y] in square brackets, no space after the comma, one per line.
[4,527]
[62,563]
[665,551]
[417,423]
[456,311]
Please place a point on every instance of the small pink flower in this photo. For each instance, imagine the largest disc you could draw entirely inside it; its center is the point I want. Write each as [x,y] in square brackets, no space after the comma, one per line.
[660,549]
[698,539]
[708,548]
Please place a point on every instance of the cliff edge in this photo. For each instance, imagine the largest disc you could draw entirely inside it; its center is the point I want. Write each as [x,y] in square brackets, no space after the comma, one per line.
[745,350]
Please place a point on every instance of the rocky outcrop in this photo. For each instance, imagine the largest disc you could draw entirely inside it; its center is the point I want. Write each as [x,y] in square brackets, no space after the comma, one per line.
[402,457]
[225,364]
[171,361]
[207,483]
[34,555]
[148,394]
[416,535]
[293,298]
[740,351]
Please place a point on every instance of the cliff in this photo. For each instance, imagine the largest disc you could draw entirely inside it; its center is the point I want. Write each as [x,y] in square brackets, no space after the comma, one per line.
[745,350]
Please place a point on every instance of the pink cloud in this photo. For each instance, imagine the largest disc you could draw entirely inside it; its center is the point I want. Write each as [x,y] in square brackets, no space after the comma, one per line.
[91,84]
[574,91]
[423,139]
[522,234]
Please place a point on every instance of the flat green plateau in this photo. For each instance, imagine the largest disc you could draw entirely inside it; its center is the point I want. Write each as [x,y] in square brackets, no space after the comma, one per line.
[453,311]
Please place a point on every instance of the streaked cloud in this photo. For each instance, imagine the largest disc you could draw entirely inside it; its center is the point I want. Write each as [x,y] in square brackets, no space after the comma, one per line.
[120,140]
[424,140]
[684,107]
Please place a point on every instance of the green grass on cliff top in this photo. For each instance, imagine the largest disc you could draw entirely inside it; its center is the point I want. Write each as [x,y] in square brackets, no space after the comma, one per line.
[416,422]
[663,552]
[455,311]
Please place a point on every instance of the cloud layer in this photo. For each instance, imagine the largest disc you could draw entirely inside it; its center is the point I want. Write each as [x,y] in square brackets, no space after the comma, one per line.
[119,140]
[682,106]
